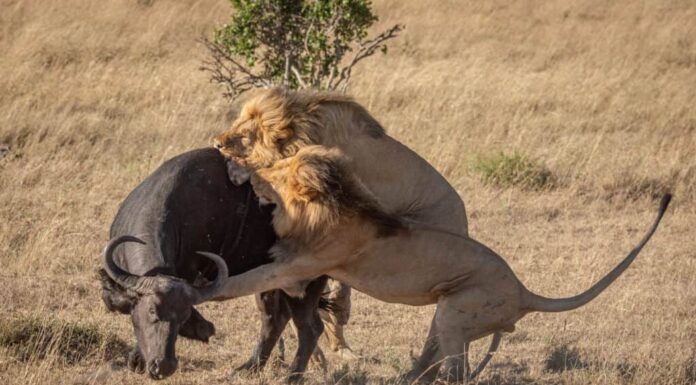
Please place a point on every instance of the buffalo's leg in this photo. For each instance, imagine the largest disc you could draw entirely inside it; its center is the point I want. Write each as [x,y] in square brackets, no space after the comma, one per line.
[306,318]
[197,328]
[136,362]
[426,367]
[274,316]
[334,309]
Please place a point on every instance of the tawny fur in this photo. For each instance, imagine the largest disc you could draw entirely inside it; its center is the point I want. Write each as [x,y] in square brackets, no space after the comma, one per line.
[331,224]
[277,123]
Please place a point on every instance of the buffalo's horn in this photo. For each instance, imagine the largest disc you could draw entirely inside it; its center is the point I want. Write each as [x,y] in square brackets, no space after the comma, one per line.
[208,292]
[125,279]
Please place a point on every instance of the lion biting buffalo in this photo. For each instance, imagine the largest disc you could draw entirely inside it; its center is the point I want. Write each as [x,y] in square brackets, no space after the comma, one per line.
[152,267]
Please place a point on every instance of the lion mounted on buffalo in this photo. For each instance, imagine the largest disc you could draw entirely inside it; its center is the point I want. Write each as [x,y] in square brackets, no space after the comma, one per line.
[277,123]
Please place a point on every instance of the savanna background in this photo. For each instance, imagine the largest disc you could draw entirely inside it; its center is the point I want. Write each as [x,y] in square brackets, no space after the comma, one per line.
[560,124]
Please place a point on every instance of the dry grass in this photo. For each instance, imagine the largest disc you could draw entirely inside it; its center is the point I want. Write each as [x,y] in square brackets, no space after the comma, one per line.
[94,95]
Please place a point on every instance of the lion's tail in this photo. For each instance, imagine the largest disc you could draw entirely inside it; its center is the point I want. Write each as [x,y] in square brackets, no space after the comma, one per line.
[536,302]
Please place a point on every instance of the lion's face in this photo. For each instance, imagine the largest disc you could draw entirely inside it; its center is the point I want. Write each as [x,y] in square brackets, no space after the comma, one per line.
[248,143]
[262,135]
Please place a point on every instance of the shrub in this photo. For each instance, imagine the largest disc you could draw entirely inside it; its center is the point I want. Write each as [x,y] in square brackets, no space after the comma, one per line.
[505,170]
[293,43]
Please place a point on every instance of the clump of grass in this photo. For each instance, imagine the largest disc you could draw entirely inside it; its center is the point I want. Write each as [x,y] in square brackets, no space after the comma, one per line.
[632,187]
[518,337]
[690,369]
[562,357]
[345,375]
[627,371]
[32,338]
[508,170]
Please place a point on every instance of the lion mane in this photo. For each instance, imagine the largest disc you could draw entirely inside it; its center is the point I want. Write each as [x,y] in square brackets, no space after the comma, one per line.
[315,191]
[278,123]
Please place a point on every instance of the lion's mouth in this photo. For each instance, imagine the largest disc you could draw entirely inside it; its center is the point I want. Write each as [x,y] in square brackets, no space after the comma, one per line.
[239,160]
[233,157]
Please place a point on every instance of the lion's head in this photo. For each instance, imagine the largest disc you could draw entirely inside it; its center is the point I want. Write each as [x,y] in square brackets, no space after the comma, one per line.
[277,123]
[313,190]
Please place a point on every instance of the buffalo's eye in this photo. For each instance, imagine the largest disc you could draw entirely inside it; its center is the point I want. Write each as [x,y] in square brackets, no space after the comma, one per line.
[152,312]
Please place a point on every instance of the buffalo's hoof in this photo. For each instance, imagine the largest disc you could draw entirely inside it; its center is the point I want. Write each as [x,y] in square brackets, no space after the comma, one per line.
[136,363]
[346,354]
[253,366]
[417,377]
[295,378]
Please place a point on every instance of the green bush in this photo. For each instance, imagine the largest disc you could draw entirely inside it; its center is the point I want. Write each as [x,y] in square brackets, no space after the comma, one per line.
[296,44]
[505,170]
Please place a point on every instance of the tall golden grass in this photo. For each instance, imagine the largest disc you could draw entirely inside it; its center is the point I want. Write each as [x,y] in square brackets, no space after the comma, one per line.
[96,94]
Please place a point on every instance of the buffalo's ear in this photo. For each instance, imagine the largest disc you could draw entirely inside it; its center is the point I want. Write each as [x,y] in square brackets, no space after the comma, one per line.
[197,328]
[114,296]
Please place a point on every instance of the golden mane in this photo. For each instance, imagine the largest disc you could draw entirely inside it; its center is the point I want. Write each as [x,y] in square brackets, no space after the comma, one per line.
[318,190]
[299,118]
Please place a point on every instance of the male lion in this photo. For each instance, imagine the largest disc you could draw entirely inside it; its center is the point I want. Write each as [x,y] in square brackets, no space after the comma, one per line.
[277,123]
[330,224]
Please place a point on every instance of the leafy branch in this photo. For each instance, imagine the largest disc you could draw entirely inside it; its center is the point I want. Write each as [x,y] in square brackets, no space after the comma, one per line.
[293,43]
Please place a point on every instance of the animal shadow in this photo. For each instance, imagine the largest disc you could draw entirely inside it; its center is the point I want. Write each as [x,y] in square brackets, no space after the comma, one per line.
[506,373]
[197,364]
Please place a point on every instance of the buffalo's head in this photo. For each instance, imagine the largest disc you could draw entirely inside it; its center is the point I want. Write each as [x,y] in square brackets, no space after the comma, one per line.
[160,307]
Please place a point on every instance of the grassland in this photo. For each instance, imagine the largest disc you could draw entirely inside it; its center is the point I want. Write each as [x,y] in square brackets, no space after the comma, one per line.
[601,95]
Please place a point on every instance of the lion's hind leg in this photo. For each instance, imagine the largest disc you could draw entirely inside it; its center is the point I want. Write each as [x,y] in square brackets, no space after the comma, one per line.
[462,317]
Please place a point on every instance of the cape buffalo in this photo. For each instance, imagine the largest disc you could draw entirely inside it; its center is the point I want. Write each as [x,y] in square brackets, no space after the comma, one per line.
[151,263]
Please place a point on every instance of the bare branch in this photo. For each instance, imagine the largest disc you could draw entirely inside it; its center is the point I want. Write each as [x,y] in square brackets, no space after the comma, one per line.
[286,73]
[330,79]
[367,48]
[228,71]
[298,77]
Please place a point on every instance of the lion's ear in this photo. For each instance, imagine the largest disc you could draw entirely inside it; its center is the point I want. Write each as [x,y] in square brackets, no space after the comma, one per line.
[282,133]
[307,179]
[302,188]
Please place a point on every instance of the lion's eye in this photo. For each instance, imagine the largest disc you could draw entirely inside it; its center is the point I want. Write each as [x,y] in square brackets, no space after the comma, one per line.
[246,141]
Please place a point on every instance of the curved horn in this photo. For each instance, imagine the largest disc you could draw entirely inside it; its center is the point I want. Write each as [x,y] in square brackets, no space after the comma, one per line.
[120,276]
[208,292]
